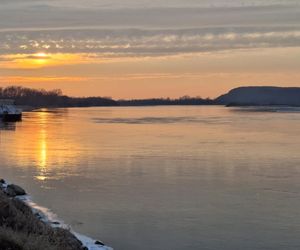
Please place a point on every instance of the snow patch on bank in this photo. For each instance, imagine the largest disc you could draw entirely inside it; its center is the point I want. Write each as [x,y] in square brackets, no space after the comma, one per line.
[45,215]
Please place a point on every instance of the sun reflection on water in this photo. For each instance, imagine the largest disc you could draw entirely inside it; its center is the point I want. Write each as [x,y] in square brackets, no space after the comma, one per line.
[45,145]
[42,152]
[43,149]
[51,151]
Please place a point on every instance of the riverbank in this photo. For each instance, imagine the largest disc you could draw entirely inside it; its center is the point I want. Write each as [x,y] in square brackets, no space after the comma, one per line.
[23,226]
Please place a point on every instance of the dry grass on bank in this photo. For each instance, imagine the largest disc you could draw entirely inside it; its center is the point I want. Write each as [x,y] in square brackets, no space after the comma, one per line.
[20,229]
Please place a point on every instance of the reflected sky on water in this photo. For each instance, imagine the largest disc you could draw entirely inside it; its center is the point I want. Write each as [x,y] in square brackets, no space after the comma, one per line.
[157,178]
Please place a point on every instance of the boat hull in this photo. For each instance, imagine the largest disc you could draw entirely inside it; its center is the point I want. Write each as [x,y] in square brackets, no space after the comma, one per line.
[11,117]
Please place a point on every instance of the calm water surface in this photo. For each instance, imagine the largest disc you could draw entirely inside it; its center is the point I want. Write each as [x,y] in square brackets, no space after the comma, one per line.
[163,178]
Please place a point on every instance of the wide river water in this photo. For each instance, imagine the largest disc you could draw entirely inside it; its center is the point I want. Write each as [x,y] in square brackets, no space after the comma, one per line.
[163,178]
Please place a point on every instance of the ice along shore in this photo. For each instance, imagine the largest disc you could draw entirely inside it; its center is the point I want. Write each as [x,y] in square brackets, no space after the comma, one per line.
[26,226]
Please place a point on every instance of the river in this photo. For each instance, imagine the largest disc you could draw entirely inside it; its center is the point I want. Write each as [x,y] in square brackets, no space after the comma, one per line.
[163,178]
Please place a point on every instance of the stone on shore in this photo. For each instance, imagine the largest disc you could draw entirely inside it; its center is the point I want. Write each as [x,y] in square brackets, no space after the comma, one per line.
[13,190]
[98,242]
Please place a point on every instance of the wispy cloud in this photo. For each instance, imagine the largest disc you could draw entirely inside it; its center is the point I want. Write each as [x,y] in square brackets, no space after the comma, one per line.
[36,79]
[137,42]
[146,28]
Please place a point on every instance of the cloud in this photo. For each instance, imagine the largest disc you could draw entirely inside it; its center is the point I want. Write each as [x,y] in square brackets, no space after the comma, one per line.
[145,13]
[147,42]
[38,57]
[28,79]
[146,28]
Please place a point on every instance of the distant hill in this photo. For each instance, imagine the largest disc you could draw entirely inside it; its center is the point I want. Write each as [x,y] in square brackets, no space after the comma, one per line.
[259,96]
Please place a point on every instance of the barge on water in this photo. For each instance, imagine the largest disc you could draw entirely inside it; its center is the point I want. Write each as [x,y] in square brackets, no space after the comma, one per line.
[9,112]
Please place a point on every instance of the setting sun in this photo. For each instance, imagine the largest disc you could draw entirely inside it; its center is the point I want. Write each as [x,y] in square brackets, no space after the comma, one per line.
[41,55]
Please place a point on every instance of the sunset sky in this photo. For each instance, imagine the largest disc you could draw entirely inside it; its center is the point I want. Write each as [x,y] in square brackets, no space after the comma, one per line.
[149,48]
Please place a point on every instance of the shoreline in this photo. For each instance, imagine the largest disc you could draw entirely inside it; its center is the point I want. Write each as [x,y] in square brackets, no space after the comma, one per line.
[14,198]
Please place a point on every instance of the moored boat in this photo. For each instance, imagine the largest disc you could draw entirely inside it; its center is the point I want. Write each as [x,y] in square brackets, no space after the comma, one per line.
[9,112]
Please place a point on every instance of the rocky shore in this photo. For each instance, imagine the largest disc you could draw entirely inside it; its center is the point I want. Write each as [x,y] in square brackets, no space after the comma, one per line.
[25,228]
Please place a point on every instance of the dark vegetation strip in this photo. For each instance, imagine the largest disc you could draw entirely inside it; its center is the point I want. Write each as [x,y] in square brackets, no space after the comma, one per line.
[55,98]
[21,229]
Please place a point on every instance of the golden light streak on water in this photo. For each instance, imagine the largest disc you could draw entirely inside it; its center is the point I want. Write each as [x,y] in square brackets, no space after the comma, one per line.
[42,148]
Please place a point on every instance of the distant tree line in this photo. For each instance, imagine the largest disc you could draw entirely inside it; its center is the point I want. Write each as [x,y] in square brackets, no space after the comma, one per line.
[55,98]
[50,98]
[185,100]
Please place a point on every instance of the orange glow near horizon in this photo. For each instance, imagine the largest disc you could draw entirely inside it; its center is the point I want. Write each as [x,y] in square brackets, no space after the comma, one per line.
[201,74]
[39,60]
